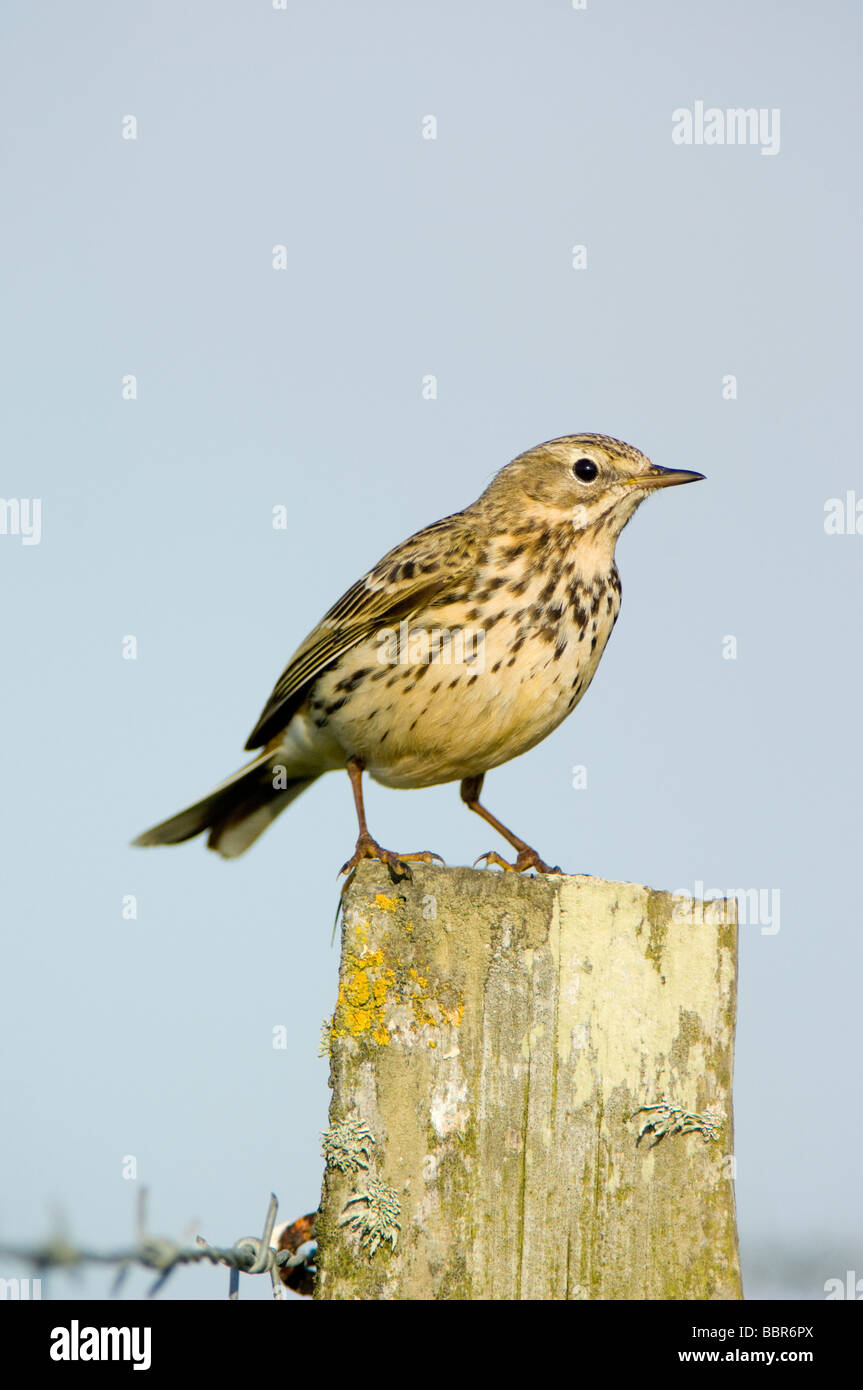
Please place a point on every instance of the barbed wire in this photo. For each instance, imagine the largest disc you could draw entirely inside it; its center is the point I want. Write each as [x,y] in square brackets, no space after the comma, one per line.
[249,1255]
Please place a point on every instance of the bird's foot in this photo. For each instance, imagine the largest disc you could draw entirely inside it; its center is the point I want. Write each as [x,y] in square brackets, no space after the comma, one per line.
[527,858]
[398,864]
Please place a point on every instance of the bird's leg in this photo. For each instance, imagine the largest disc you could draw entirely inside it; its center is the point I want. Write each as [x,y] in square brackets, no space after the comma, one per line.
[367,848]
[526,857]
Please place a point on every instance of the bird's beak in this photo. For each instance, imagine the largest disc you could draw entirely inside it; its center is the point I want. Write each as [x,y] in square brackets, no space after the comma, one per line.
[664,477]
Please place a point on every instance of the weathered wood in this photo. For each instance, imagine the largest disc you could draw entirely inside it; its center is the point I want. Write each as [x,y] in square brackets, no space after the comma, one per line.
[495,1035]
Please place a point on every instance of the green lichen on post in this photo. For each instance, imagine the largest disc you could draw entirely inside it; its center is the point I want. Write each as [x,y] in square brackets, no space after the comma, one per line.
[347,1145]
[378,1220]
[665,1118]
[659,910]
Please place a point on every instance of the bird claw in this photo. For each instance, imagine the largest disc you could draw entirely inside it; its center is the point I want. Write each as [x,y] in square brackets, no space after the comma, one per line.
[491,857]
[527,859]
[398,864]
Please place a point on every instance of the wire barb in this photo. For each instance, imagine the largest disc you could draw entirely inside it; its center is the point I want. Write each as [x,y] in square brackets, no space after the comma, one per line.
[250,1255]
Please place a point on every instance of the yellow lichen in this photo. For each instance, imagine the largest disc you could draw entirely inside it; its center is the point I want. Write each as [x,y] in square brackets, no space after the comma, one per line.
[356,990]
[369,988]
[363,996]
[357,1019]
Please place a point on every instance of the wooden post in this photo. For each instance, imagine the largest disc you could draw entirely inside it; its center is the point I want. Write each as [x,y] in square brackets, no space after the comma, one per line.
[531,1092]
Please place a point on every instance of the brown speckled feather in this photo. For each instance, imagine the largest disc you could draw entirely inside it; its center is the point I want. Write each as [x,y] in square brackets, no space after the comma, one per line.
[426,566]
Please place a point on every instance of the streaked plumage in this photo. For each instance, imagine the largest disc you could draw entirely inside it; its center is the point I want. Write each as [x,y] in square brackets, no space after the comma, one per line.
[524,576]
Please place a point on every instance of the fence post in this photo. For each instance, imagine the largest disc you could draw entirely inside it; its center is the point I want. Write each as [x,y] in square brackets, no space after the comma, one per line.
[531,1092]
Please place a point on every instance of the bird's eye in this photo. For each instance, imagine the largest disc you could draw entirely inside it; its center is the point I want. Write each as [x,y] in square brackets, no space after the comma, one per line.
[585,470]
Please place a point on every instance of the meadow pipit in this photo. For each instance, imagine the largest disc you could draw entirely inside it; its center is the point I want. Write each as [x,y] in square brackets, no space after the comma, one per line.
[463,647]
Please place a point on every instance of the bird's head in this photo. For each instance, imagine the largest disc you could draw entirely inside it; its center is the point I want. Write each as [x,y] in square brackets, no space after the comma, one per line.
[593,480]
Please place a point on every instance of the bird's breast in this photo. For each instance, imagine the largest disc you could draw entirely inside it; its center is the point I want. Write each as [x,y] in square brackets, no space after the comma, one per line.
[473,680]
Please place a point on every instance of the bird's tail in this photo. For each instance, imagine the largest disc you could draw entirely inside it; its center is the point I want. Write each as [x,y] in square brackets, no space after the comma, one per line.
[237,811]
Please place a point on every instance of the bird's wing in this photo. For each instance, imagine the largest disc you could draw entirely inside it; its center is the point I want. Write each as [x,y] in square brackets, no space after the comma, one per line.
[425,566]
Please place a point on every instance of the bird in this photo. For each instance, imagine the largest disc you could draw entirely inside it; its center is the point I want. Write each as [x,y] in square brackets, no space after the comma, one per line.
[464,647]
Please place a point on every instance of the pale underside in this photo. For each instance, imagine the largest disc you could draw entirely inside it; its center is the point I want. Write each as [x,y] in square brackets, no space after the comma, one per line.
[416,722]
